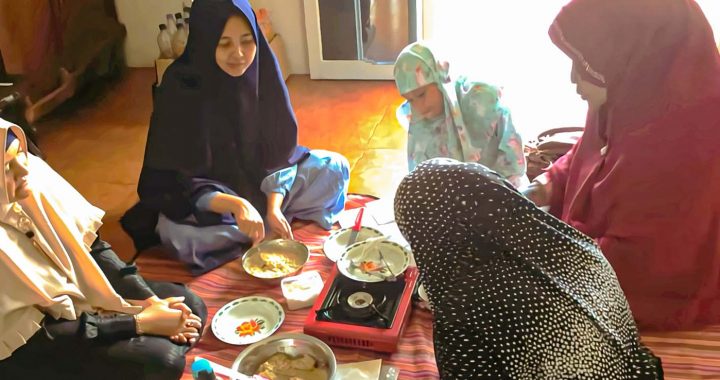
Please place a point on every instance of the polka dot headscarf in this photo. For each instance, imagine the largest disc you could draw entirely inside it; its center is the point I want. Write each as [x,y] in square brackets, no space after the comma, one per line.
[516,293]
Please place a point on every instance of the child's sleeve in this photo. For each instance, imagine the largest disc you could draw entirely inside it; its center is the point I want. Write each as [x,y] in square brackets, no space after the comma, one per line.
[511,156]
[489,128]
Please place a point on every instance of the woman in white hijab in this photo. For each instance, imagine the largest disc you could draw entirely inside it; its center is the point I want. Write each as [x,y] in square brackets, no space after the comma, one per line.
[70,308]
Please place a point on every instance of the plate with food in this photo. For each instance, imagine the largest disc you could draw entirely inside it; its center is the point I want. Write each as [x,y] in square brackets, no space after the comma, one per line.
[247,320]
[374,261]
[337,242]
[275,259]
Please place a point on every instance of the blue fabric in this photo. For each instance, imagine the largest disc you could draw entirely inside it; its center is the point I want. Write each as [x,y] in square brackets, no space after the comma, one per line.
[9,139]
[281,181]
[203,202]
[202,248]
[313,190]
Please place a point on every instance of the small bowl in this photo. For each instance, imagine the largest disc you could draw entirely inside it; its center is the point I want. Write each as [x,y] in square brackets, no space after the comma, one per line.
[292,344]
[295,251]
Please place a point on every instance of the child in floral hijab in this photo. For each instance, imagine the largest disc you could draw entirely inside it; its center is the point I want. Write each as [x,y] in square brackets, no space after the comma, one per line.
[458,119]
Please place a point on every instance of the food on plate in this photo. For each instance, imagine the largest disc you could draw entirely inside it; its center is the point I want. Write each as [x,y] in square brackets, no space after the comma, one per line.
[273,265]
[249,328]
[369,266]
[285,367]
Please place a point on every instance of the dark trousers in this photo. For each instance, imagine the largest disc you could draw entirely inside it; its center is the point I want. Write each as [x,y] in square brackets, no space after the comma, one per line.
[143,357]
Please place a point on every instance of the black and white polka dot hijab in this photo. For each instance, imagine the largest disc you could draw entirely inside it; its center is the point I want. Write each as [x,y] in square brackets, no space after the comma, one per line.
[515,292]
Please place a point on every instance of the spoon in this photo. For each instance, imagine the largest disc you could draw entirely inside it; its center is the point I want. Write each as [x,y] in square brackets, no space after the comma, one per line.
[391,277]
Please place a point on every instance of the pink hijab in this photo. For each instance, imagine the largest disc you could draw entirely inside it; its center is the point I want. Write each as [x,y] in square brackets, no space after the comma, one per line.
[644,181]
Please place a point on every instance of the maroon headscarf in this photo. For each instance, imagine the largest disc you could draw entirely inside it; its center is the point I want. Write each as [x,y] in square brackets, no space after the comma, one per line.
[644,180]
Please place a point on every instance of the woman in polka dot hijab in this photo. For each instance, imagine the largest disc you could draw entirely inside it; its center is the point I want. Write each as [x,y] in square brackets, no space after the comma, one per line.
[516,293]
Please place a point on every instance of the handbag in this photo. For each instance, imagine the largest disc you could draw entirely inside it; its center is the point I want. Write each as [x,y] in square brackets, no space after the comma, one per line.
[549,146]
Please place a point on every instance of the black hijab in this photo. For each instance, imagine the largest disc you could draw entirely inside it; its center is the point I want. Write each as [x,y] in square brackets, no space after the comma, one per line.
[208,124]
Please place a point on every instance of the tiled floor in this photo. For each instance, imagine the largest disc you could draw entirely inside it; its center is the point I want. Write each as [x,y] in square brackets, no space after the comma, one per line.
[99,147]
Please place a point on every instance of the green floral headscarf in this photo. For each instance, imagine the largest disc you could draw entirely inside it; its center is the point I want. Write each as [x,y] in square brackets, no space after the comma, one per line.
[475,127]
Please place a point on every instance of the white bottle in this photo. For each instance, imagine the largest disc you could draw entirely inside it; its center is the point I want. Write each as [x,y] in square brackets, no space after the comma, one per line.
[179,40]
[170,23]
[164,42]
[178,17]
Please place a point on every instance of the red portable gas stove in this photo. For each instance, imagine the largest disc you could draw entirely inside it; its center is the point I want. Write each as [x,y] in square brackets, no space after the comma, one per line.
[366,315]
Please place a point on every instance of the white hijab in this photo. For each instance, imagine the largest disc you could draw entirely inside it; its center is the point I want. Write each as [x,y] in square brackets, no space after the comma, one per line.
[45,265]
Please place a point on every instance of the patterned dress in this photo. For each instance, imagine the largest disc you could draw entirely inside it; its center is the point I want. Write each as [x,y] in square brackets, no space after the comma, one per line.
[475,127]
[516,293]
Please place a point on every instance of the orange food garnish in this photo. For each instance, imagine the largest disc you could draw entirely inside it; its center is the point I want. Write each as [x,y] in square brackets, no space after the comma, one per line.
[368,266]
[248,328]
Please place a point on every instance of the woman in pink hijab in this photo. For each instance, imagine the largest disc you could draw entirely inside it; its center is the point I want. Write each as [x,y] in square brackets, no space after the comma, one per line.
[644,180]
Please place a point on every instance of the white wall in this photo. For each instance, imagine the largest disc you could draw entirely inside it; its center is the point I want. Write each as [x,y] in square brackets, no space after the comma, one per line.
[142,17]
[712,12]
[288,19]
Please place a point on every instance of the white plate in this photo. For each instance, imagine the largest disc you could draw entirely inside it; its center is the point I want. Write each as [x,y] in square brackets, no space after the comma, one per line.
[337,242]
[397,258]
[266,314]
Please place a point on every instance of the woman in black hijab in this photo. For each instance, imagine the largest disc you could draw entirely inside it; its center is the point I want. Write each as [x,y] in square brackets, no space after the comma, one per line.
[222,148]
[515,292]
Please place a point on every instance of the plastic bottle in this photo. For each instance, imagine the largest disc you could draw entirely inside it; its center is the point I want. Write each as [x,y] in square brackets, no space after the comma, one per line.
[170,23]
[164,42]
[202,370]
[179,40]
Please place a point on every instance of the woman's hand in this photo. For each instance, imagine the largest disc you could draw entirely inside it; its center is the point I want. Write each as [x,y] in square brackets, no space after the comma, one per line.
[279,226]
[248,220]
[190,333]
[277,222]
[159,319]
[193,324]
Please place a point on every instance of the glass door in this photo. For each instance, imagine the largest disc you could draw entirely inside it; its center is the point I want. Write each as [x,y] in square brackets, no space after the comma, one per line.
[359,39]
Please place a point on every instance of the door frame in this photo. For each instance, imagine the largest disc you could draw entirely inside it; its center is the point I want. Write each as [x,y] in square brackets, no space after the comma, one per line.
[346,69]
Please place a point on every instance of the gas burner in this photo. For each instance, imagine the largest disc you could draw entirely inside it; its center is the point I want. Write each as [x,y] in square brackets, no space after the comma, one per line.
[355,314]
[363,305]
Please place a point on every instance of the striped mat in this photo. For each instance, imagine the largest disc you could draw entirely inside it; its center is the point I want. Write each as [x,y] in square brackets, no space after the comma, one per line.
[685,355]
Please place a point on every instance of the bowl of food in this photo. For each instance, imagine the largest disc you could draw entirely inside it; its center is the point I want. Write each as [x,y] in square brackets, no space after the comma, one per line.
[288,356]
[275,259]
